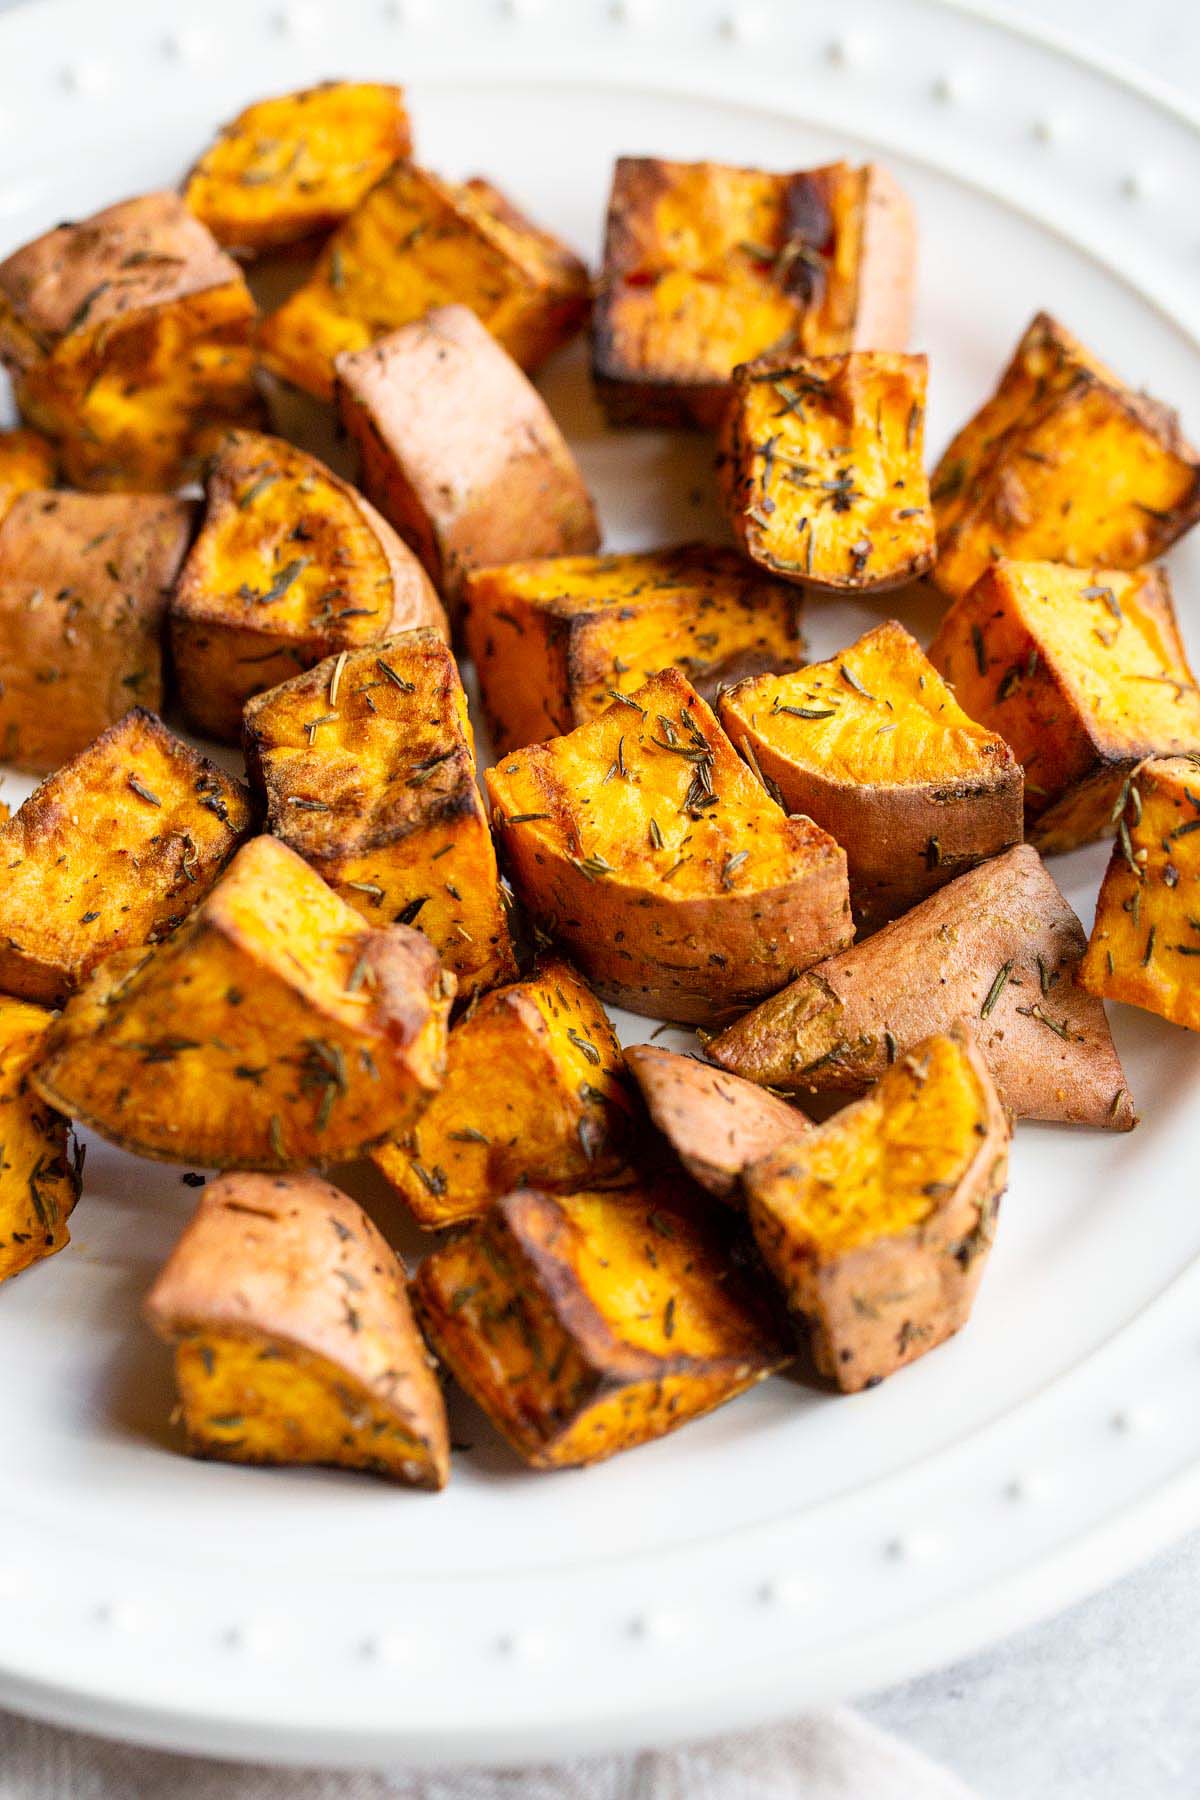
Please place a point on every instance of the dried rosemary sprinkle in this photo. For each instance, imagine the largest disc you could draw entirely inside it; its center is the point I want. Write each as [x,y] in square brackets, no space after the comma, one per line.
[389,674]
[997,988]
[143,792]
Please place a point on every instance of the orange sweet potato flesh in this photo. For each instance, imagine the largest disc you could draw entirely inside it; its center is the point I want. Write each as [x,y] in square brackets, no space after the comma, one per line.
[873,746]
[1083,673]
[716,1123]
[368,770]
[294,165]
[644,844]
[1064,464]
[999,946]
[294,1337]
[40,1167]
[878,1223]
[554,639]
[1146,937]
[821,469]
[585,1324]
[27,461]
[707,266]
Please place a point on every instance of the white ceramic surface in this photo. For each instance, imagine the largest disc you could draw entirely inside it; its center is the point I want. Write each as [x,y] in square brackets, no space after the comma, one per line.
[794,1547]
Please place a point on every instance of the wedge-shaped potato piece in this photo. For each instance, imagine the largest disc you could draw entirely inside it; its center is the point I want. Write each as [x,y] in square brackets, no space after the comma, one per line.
[534,1093]
[294,1337]
[822,469]
[1064,463]
[291,565]
[643,843]
[128,339]
[873,746]
[27,461]
[707,266]
[999,945]
[588,1323]
[877,1224]
[460,452]
[368,769]
[1146,937]
[295,165]
[110,852]
[553,640]
[273,1030]
[84,580]
[416,243]
[716,1123]
[40,1164]
[1083,673]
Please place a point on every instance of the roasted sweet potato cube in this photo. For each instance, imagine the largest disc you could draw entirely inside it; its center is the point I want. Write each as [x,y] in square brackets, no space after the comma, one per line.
[822,469]
[707,266]
[1147,932]
[716,1123]
[84,580]
[646,847]
[272,1030]
[27,461]
[553,640]
[588,1323]
[128,339]
[874,747]
[293,166]
[1083,673]
[878,1223]
[460,452]
[416,243]
[293,1334]
[1064,463]
[291,565]
[999,945]
[110,852]
[534,1092]
[368,769]
[39,1162]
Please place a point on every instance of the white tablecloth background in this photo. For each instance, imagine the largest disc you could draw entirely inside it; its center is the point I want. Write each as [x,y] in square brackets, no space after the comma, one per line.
[1102,1703]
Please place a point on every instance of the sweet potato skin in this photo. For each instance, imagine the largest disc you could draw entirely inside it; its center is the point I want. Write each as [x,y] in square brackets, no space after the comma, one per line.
[41,1164]
[998,945]
[27,461]
[673,930]
[586,1324]
[459,452]
[716,1123]
[110,852]
[887,1299]
[301,1038]
[367,767]
[287,1270]
[84,580]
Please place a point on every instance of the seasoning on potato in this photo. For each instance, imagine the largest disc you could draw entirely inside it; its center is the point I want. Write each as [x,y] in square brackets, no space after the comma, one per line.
[40,1164]
[716,1123]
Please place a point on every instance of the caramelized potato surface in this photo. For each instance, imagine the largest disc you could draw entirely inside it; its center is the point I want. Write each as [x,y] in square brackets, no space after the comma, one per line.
[41,1165]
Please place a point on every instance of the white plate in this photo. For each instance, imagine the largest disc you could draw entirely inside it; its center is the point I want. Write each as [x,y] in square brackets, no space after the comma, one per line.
[795,1547]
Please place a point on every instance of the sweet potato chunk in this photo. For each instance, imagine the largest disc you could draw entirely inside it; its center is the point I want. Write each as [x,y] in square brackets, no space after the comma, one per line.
[716,1123]
[293,1334]
[822,469]
[84,580]
[295,165]
[272,1030]
[874,747]
[39,1163]
[27,461]
[643,843]
[368,769]
[110,852]
[128,339]
[416,243]
[291,565]
[707,266]
[553,640]
[460,452]
[1001,946]
[878,1223]
[588,1323]
[1063,464]
[1146,938]
[534,1092]
[1083,673]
